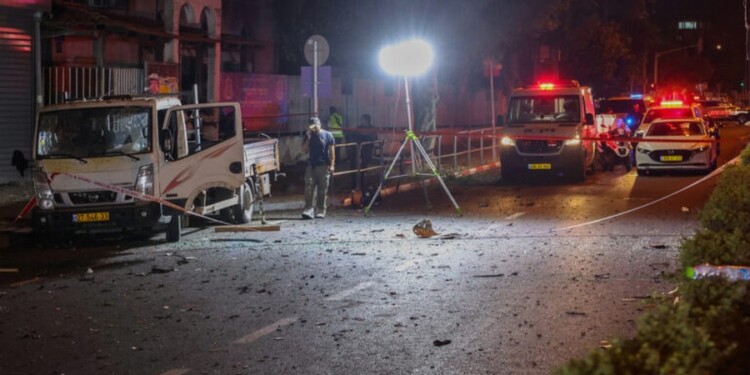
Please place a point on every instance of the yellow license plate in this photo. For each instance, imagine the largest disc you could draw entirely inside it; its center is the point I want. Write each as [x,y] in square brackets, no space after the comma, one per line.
[671,158]
[541,166]
[91,217]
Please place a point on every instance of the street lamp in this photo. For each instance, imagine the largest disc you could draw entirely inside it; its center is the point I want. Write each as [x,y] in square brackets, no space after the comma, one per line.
[407,59]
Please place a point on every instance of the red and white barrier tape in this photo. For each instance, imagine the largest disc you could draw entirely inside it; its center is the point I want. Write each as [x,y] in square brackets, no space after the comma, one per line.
[137,195]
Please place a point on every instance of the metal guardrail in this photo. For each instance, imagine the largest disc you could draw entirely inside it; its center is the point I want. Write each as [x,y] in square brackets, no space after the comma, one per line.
[464,148]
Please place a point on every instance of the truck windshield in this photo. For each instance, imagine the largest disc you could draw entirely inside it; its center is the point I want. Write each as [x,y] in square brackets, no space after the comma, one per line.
[544,109]
[94,132]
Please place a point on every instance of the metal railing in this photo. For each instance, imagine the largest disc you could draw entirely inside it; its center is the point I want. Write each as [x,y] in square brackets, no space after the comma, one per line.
[466,149]
[63,83]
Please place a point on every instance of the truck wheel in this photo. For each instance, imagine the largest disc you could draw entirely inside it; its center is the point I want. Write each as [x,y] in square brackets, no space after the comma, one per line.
[243,211]
[174,228]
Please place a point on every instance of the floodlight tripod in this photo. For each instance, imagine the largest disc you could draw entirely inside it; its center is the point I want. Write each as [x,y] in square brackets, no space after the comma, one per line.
[414,146]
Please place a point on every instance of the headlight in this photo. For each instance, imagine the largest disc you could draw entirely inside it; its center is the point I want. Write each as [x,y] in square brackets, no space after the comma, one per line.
[144,184]
[643,150]
[573,142]
[44,198]
[507,141]
[702,148]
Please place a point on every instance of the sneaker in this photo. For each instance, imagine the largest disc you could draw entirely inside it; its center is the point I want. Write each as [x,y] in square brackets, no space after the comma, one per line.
[320,215]
[306,216]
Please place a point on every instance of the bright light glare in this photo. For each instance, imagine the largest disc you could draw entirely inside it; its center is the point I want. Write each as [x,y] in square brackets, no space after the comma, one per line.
[409,58]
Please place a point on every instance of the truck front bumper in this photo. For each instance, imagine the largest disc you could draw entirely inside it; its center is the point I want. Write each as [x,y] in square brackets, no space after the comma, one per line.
[98,219]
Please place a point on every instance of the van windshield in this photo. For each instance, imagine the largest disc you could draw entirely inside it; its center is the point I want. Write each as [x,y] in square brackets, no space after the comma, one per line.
[544,109]
[94,132]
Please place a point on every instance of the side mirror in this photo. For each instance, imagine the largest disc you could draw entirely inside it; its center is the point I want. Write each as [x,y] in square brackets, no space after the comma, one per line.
[590,119]
[500,120]
[166,140]
[640,134]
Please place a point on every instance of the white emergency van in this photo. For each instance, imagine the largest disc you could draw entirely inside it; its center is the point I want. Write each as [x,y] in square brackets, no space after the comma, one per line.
[547,129]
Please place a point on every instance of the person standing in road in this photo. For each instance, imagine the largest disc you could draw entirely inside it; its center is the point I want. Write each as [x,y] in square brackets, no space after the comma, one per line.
[320,166]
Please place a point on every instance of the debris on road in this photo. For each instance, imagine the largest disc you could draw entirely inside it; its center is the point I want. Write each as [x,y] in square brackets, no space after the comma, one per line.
[247,228]
[441,342]
[659,246]
[423,229]
[604,344]
[89,271]
[575,313]
[157,269]
[685,209]
[450,236]
[488,276]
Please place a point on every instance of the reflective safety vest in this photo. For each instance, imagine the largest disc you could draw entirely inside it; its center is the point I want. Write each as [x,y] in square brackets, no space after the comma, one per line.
[334,126]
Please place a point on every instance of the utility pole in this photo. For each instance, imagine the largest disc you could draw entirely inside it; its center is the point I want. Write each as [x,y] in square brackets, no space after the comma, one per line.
[747,52]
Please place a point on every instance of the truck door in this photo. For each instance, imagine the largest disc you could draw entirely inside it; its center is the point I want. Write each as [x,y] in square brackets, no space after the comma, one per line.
[206,151]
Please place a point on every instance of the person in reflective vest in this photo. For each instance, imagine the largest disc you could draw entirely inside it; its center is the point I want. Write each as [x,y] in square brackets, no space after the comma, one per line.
[335,125]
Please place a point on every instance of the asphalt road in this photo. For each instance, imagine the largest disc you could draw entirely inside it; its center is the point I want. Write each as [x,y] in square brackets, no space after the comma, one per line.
[505,289]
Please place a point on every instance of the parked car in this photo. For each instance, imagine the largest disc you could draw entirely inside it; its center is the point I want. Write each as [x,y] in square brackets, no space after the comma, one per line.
[688,144]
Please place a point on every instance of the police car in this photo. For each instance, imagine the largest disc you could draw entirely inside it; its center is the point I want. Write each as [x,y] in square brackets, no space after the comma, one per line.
[688,144]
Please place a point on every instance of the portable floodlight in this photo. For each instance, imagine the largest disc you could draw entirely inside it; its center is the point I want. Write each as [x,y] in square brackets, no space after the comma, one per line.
[407,59]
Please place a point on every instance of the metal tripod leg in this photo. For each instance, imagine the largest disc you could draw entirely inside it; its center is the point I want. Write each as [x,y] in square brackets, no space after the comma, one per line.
[437,175]
[385,177]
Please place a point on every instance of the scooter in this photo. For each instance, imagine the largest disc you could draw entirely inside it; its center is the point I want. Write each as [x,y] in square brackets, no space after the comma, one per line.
[612,151]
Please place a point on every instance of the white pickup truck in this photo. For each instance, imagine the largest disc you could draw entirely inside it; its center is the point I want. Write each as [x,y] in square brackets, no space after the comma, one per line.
[90,155]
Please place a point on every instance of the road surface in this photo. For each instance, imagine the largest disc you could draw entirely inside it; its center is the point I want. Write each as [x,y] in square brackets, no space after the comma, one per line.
[505,289]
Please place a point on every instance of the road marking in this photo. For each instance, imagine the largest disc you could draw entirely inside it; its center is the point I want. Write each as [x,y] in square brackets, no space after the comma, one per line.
[515,216]
[254,336]
[405,265]
[348,292]
[176,371]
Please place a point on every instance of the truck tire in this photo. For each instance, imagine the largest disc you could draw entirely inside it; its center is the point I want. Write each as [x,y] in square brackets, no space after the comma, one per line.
[243,211]
[174,229]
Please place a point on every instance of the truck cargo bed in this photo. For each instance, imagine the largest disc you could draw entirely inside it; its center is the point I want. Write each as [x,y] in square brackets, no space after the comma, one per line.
[262,152]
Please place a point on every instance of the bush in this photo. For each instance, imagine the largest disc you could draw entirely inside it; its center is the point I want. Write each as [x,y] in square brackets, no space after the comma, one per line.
[728,208]
[708,330]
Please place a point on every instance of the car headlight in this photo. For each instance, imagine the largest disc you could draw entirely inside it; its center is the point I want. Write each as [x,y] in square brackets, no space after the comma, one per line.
[144,184]
[507,141]
[573,142]
[643,150]
[44,198]
[702,148]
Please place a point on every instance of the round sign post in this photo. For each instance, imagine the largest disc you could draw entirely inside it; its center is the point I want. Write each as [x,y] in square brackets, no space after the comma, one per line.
[316,54]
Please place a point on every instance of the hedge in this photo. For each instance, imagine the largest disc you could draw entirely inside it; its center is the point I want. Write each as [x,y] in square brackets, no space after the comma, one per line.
[705,329]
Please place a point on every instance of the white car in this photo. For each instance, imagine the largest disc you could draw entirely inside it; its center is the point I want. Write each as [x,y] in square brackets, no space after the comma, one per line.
[688,145]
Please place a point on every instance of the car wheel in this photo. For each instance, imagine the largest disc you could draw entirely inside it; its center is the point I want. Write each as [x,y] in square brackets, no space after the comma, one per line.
[174,228]
[642,172]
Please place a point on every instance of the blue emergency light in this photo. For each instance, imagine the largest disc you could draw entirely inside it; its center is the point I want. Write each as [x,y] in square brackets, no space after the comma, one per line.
[636,96]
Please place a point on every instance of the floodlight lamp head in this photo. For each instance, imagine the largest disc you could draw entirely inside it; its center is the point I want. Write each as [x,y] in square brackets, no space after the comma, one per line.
[409,58]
